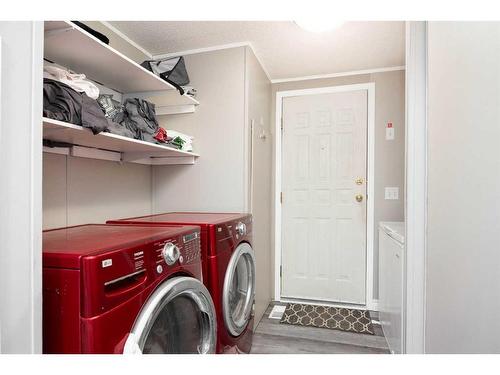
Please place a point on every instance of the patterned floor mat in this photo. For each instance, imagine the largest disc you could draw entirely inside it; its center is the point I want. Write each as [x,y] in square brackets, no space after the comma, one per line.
[350,320]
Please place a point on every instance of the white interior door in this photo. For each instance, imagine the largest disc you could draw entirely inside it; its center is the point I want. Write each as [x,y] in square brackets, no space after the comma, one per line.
[324,175]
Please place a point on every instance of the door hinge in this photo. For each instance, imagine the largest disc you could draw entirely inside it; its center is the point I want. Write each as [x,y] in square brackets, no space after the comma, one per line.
[281,197]
[282,124]
[281,271]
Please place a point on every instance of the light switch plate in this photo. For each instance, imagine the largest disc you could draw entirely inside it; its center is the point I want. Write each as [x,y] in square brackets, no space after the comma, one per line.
[392,193]
[389,134]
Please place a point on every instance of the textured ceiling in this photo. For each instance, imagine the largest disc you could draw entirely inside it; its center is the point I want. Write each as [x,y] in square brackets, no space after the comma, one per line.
[284,49]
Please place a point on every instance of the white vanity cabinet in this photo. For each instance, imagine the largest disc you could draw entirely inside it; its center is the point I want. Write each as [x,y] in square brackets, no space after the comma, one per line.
[391,252]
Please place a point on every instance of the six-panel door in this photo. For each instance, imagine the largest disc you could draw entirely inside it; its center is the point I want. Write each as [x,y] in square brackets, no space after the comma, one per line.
[324,197]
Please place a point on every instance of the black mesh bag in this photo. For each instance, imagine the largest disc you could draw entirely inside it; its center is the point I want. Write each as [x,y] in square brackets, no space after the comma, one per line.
[172,70]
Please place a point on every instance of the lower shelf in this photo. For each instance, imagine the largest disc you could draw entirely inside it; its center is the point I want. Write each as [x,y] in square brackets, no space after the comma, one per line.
[108,146]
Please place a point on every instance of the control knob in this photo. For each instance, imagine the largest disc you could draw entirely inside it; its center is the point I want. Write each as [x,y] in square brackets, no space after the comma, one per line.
[170,253]
[241,228]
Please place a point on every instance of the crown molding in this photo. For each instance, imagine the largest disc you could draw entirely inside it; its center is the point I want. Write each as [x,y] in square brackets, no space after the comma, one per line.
[215,48]
[127,39]
[341,74]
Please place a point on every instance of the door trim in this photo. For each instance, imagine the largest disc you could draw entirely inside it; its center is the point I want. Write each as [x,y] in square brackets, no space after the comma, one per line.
[371,303]
[414,292]
[21,166]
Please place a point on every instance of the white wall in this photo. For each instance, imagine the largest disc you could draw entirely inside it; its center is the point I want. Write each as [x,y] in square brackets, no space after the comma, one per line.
[463,244]
[258,114]
[216,182]
[389,155]
[20,187]
[228,177]
[80,191]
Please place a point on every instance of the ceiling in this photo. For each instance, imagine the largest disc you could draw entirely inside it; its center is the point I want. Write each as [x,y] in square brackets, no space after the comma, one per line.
[284,49]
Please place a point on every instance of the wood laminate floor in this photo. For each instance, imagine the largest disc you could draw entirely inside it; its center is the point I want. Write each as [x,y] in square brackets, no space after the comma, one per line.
[274,338]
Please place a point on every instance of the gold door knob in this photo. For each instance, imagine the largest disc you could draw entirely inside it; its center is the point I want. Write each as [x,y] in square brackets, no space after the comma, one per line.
[359,181]
[359,198]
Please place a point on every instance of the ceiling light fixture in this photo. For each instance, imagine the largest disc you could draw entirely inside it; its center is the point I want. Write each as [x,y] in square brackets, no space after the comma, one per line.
[319,25]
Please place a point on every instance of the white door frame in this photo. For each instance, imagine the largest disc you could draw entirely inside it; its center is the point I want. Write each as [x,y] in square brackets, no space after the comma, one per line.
[416,188]
[21,187]
[370,87]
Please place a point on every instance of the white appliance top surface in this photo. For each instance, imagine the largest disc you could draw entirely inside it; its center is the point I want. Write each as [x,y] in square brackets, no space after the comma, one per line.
[395,229]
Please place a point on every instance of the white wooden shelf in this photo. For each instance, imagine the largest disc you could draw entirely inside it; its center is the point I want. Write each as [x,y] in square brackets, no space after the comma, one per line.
[108,146]
[167,102]
[68,45]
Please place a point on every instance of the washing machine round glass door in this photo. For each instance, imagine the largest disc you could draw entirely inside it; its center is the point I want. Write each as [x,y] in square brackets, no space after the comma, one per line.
[179,317]
[239,289]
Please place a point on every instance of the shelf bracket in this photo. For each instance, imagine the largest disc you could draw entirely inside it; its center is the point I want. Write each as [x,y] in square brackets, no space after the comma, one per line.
[84,152]
[174,109]
[161,106]
[134,156]
[147,159]
[173,160]
[147,94]
[56,150]
[131,157]
[94,153]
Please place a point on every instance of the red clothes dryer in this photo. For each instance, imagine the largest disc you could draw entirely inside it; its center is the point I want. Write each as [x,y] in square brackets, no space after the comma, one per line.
[123,289]
[229,270]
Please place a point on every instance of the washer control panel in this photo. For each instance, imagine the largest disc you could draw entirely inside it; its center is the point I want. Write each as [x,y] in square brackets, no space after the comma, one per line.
[179,250]
[237,229]
[192,249]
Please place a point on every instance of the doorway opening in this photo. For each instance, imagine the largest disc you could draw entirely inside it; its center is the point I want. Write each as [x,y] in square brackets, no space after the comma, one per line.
[334,126]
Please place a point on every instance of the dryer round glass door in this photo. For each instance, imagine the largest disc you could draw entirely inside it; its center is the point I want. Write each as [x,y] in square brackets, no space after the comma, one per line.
[239,289]
[179,317]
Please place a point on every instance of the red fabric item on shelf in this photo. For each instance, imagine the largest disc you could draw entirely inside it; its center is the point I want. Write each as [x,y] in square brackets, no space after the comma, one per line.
[161,135]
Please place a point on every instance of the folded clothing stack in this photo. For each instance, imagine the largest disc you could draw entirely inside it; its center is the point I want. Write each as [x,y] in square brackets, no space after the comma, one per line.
[141,115]
[115,113]
[70,97]
[63,103]
[135,118]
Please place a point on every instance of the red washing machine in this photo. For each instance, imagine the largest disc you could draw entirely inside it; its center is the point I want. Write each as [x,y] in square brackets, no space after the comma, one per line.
[123,289]
[229,270]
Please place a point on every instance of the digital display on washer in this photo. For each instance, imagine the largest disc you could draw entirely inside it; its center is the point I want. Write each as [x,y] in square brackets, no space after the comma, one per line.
[190,237]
